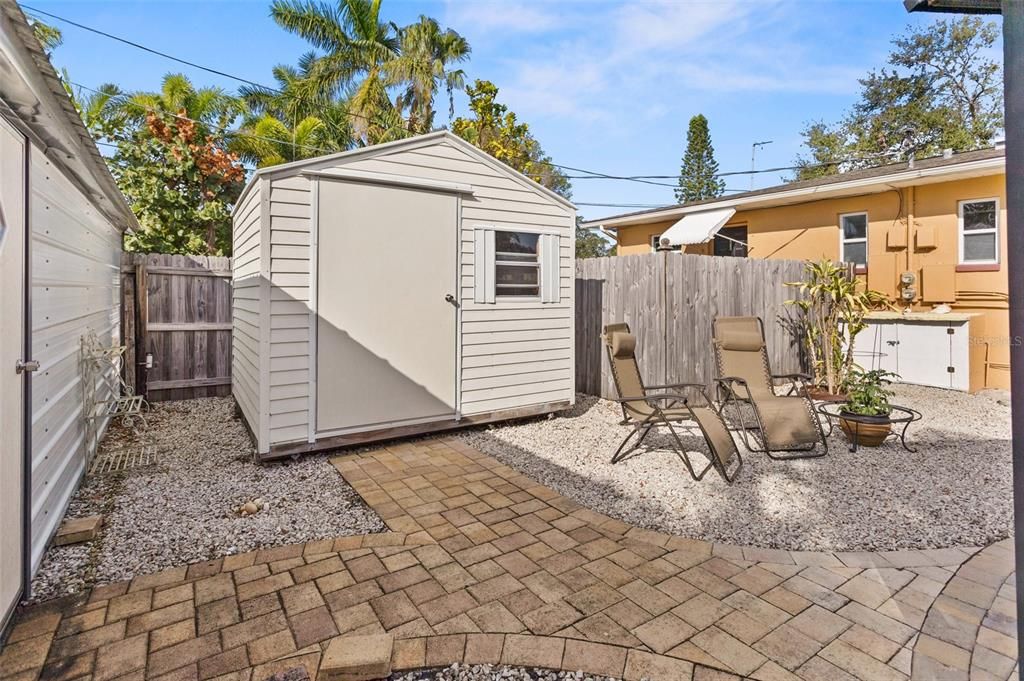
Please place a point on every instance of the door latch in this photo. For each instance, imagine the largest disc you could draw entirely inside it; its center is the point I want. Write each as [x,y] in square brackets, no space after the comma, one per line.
[25,367]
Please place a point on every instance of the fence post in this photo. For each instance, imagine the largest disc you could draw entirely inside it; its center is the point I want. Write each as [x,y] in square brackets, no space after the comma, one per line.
[141,322]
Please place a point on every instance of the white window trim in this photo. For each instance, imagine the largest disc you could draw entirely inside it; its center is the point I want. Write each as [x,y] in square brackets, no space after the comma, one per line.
[843,240]
[961,233]
[539,298]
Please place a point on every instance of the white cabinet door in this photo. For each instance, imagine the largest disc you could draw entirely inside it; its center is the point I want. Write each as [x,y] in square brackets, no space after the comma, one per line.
[924,354]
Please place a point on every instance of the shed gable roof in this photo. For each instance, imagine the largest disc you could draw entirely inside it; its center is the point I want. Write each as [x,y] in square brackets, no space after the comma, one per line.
[387,148]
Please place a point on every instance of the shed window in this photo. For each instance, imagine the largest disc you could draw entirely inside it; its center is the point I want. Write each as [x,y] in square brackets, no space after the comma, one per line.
[979,231]
[853,239]
[516,264]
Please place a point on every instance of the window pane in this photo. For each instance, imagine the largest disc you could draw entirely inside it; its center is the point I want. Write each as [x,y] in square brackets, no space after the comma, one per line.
[518,276]
[856,253]
[979,215]
[855,226]
[979,247]
[516,242]
[731,241]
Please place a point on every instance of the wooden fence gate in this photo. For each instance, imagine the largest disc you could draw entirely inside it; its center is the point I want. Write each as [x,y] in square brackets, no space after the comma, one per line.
[669,301]
[177,308]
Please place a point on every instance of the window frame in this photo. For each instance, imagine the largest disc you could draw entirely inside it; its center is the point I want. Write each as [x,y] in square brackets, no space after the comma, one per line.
[858,268]
[746,243]
[962,233]
[539,297]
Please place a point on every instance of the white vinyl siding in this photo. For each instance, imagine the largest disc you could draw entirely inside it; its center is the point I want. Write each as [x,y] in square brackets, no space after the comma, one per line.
[290,289]
[76,286]
[512,354]
[978,231]
[246,286]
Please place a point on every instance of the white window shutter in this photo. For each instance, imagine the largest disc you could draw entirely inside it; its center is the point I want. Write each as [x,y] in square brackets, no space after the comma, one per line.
[550,286]
[483,265]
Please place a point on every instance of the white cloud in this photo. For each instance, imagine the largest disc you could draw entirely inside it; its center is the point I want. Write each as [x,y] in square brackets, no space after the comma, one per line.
[608,59]
[479,17]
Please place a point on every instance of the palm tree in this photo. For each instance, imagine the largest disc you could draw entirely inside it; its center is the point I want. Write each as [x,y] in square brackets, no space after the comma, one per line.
[365,59]
[212,108]
[422,68]
[356,46]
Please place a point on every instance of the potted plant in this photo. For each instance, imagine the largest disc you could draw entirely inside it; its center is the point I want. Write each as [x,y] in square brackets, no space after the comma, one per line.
[832,306]
[866,412]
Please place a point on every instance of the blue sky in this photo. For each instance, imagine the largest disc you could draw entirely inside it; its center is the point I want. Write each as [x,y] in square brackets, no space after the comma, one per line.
[607,86]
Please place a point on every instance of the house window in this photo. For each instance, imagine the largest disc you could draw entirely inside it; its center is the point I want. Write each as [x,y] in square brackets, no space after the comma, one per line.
[516,264]
[731,241]
[853,236]
[979,231]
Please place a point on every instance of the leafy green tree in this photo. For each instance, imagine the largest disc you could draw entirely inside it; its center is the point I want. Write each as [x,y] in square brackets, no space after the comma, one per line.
[173,164]
[498,131]
[590,244]
[942,89]
[181,183]
[698,176]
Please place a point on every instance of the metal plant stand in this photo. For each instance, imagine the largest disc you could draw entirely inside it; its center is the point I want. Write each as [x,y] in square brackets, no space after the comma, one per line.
[904,416]
[106,396]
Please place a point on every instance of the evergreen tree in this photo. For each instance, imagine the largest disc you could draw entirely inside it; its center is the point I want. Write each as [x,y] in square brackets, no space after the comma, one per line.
[698,176]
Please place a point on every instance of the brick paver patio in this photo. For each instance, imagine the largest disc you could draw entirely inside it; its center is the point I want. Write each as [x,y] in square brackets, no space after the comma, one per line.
[485,565]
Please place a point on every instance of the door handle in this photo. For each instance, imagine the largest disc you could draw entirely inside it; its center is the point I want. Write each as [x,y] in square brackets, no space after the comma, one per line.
[451,299]
[26,367]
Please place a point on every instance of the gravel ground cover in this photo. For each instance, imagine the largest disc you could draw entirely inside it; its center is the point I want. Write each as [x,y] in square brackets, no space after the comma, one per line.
[486,672]
[955,491]
[183,509]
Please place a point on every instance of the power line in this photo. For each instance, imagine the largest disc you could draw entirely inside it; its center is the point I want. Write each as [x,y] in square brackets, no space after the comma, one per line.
[146,49]
[591,174]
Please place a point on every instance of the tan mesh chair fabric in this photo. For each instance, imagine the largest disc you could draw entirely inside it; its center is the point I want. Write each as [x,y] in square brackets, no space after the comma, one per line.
[644,414]
[785,423]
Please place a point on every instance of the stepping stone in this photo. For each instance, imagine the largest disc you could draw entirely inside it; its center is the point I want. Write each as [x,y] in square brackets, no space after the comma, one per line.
[357,658]
[78,530]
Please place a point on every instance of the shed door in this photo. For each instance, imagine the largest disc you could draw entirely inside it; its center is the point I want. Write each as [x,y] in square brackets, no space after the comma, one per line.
[12,345]
[386,336]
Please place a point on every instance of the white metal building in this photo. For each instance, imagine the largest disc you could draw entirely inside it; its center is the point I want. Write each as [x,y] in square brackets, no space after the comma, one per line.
[61,220]
[402,288]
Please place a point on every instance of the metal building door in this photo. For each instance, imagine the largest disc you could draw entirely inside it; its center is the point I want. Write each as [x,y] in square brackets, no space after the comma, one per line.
[386,306]
[13,148]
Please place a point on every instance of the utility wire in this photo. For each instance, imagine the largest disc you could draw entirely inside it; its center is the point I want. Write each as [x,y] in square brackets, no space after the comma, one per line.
[591,174]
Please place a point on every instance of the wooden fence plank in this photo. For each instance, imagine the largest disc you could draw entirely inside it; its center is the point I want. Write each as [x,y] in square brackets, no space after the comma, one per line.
[670,300]
[182,307]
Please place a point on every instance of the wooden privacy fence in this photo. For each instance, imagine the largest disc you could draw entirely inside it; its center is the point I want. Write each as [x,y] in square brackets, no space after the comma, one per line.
[669,300]
[177,308]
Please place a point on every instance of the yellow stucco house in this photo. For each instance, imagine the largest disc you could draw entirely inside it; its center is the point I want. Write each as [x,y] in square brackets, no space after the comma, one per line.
[927,233]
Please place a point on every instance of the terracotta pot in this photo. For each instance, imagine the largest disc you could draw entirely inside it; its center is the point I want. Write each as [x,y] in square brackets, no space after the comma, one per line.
[870,431]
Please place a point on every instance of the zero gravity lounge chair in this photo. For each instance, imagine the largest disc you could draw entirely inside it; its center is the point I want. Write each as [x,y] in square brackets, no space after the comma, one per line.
[645,407]
[783,426]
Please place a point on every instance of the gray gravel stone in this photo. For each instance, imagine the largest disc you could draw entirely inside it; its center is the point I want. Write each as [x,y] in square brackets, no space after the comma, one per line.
[486,672]
[181,511]
[955,491]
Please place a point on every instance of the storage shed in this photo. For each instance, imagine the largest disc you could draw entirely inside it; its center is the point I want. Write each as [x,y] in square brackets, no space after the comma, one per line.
[398,289]
[61,219]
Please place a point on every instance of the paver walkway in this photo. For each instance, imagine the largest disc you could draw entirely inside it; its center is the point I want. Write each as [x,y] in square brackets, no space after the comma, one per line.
[485,565]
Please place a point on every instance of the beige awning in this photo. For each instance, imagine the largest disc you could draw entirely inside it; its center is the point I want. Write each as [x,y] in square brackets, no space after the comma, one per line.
[696,228]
